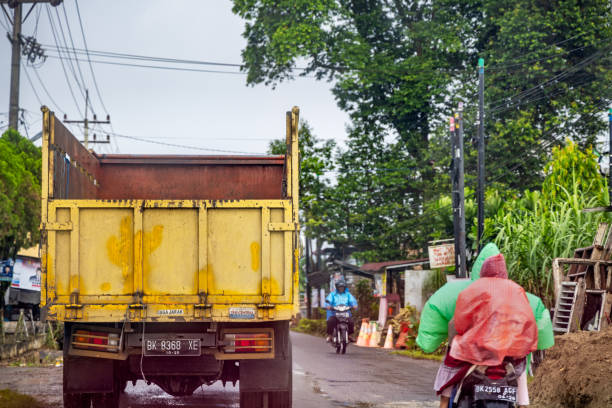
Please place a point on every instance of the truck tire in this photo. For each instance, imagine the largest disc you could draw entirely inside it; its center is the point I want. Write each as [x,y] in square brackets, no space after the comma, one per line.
[110,400]
[71,400]
[76,401]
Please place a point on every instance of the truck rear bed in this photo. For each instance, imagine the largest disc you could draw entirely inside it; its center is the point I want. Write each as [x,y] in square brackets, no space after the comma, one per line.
[167,238]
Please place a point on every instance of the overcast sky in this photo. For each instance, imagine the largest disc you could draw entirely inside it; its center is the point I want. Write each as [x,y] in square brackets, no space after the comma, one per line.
[207,110]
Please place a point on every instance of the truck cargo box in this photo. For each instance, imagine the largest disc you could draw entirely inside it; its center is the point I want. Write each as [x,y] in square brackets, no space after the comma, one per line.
[167,238]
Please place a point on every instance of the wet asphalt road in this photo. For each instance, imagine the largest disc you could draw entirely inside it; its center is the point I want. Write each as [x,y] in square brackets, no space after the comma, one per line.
[363,378]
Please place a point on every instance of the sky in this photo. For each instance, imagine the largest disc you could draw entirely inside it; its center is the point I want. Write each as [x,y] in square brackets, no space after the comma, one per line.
[203,110]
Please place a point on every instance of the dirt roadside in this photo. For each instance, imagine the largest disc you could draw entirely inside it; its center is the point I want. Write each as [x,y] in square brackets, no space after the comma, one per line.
[42,383]
[576,372]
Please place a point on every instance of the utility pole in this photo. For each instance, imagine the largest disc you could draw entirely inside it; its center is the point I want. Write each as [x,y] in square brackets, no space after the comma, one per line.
[15,69]
[456,129]
[15,40]
[481,153]
[308,287]
[86,123]
[610,158]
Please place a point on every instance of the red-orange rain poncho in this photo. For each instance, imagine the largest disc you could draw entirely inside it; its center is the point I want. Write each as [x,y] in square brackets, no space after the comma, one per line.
[493,318]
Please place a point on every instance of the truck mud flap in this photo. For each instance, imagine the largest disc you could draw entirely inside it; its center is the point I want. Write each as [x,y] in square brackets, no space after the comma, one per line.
[277,371]
[88,375]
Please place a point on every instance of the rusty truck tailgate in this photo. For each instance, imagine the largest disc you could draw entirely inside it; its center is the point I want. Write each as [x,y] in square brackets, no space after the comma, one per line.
[157,255]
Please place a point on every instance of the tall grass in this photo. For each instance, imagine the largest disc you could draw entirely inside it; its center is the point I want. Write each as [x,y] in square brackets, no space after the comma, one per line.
[532,231]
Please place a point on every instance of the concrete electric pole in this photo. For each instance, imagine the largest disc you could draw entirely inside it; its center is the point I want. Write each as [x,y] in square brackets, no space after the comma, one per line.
[86,122]
[16,40]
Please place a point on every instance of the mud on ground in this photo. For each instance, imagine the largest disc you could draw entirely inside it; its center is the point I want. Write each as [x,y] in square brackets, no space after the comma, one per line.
[576,372]
[35,374]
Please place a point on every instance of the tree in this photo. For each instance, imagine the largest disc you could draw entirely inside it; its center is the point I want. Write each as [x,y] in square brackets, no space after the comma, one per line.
[398,66]
[316,163]
[547,79]
[20,183]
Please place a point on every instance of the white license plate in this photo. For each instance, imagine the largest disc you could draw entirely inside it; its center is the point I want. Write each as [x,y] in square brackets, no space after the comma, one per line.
[243,313]
[171,347]
[494,393]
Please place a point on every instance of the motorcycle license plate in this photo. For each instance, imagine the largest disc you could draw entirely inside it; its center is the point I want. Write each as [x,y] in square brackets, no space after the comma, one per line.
[342,314]
[495,393]
[172,347]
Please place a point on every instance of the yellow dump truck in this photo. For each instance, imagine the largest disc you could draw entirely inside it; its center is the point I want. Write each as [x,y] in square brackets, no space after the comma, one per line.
[177,270]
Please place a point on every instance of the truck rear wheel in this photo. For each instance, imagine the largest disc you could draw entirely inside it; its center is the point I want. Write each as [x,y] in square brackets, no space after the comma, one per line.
[76,401]
[274,399]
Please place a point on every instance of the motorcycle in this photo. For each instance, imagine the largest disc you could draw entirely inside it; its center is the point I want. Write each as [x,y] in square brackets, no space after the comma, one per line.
[487,387]
[340,335]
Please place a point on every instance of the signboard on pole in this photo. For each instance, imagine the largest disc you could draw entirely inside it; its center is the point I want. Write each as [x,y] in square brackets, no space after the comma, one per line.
[6,271]
[26,274]
[441,255]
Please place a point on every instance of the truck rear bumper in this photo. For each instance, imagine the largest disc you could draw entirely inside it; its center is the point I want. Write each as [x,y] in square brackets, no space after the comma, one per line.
[179,375]
[165,313]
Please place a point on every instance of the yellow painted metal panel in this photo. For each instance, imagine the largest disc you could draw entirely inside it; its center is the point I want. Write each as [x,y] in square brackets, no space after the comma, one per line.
[170,251]
[234,251]
[277,256]
[74,280]
[182,250]
[62,255]
[137,228]
[202,249]
[106,258]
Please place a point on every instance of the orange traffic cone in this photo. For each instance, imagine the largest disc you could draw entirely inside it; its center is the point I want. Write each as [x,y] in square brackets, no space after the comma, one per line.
[363,333]
[375,336]
[401,340]
[389,339]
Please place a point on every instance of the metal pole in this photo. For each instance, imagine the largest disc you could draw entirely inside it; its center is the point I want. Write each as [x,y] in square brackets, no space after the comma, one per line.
[308,288]
[481,153]
[15,69]
[462,267]
[86,135]
[455,194]
[610,159]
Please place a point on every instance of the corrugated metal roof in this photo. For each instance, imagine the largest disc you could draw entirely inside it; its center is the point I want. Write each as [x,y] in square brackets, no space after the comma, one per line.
[377,266]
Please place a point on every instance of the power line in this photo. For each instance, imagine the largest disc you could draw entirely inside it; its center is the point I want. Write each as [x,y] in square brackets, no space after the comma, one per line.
[118,55]
[190,147]
[553,80]
[83,82]
[38,12]
[93,75]
[159,67]
[42,83]
[506,66]
[499,66]
[62,62]
[80,85]
[32,85]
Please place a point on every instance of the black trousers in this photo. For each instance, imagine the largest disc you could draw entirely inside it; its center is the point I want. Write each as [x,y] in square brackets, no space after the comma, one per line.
[332,322]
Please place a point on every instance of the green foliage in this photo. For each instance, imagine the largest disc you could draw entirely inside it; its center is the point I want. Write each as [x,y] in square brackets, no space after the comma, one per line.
[419,355]
[20,183]
[537,227]
[434,282]
[571,168]
[12,399]
[368,304]
[317,327]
